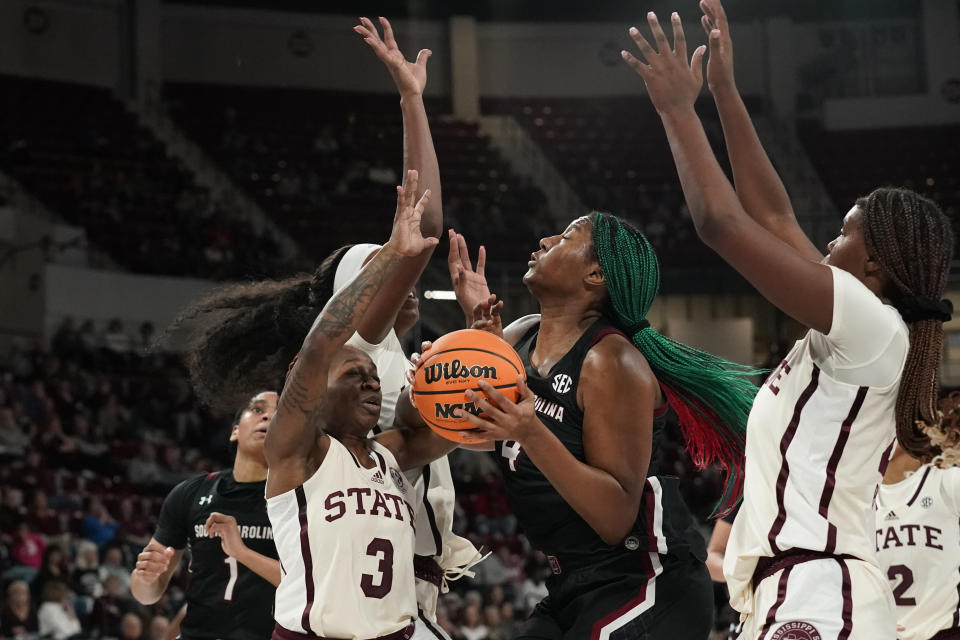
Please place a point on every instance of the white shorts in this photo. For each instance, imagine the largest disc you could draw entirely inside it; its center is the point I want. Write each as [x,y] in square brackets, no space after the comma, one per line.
[424,629]
[822,599]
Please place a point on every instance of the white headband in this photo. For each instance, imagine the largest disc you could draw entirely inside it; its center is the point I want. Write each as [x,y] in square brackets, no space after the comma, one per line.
[351,263]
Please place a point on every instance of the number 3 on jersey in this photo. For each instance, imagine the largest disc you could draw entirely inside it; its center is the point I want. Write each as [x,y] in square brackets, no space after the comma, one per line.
[510,449]
[376,547]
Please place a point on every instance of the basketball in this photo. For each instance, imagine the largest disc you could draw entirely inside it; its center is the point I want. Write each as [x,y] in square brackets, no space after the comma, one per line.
[455,363]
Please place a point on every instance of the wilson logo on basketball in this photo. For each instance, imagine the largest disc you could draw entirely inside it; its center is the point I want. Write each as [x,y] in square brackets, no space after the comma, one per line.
[456,370]
[445,410]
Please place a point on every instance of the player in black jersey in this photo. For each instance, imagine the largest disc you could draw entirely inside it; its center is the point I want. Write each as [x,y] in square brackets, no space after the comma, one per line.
[578,451]
[222,517]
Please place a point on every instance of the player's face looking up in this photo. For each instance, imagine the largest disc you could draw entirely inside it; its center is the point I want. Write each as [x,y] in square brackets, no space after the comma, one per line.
[251,429]
[563,260]
[848,251]
[408,315]
[352,402]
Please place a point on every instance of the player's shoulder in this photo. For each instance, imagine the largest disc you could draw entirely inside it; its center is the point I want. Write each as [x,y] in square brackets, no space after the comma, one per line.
[194,484]
[613,357]
[519,328]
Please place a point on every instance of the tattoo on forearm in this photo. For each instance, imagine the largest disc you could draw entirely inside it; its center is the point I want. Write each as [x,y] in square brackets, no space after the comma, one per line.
[338,319]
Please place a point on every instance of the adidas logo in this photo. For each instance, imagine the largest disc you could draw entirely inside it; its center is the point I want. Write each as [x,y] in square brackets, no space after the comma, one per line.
[377,477]
[891,516]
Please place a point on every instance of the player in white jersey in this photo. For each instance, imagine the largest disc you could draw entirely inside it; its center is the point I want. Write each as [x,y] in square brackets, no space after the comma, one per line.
[800,562]
[440,553]
[918,542]
[342,520]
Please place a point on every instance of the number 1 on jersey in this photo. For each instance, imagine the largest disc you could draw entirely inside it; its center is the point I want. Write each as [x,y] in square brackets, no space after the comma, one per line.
[232,582]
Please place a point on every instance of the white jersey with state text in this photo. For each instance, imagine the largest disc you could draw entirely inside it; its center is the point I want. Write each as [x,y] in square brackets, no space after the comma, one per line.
[345,541]
[918,545]
[820,431]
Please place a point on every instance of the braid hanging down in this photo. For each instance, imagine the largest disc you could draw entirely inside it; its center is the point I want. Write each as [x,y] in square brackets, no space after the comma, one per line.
[912,240]
[711,396]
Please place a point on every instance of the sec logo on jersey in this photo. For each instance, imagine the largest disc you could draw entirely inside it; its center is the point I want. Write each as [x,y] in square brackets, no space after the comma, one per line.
[562,383]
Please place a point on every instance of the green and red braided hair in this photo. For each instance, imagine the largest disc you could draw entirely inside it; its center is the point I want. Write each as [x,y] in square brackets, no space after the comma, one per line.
[711,397]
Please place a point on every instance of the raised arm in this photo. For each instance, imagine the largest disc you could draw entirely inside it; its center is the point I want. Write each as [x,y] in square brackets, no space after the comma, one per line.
[758,186]
[800,288]
[418,152]
[291,445]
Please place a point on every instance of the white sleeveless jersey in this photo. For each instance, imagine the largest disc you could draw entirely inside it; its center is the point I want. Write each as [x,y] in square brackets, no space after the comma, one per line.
[433,495]
[345,541]
[918,545]
[815,448]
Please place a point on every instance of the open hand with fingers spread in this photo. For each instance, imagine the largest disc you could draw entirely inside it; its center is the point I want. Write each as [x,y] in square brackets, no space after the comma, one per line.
[406,238]
[410,77]
[469,285]
[720,61]
[672,82]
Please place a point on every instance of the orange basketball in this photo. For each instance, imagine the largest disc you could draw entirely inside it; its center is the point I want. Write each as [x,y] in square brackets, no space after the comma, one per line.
[454,364]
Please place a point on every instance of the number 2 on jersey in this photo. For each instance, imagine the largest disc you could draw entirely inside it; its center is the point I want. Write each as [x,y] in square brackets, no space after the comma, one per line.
[374,549]
[902,571]
[232,582]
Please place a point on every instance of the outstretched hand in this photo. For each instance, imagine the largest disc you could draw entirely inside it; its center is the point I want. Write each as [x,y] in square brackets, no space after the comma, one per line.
[486,316]
[720,61]
[469,285]
[410,77]
[672,82]
[406,237]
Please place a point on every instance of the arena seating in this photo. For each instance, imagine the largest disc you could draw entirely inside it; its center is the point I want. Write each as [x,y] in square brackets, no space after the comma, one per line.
[614,154]
[325,164]
[79,151]
[853,163]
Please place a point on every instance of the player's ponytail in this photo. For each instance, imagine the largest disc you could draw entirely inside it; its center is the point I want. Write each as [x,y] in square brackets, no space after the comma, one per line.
[242,337]
[712,397]
[912,240]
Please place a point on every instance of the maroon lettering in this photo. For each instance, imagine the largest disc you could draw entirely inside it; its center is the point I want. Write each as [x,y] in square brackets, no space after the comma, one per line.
[879,535]
[334,501]
[377,547]
[357,492]
[378,504]
[412,514]
[910,528]
[784,368]
[891,536]
[397,506]
[899,592]
[931,533]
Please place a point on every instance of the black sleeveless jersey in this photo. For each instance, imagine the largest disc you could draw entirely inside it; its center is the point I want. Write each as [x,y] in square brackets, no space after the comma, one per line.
[225,599]
[663,522]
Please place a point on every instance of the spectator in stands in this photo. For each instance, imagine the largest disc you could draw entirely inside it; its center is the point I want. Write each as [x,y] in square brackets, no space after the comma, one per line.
[13,441]
[54,569]
[112,565]
[473,627]
[134,530]
[86,572]
[12,512]
[131,628]
[109,608]
[117,343]
[159,626]
[18,617]
[144,470]
[99,526]
[509,623]
[56,616]
[491,618]
[41,517]
[28,548]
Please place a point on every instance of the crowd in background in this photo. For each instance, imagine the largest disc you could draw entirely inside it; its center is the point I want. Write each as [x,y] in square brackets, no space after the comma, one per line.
[94,432]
